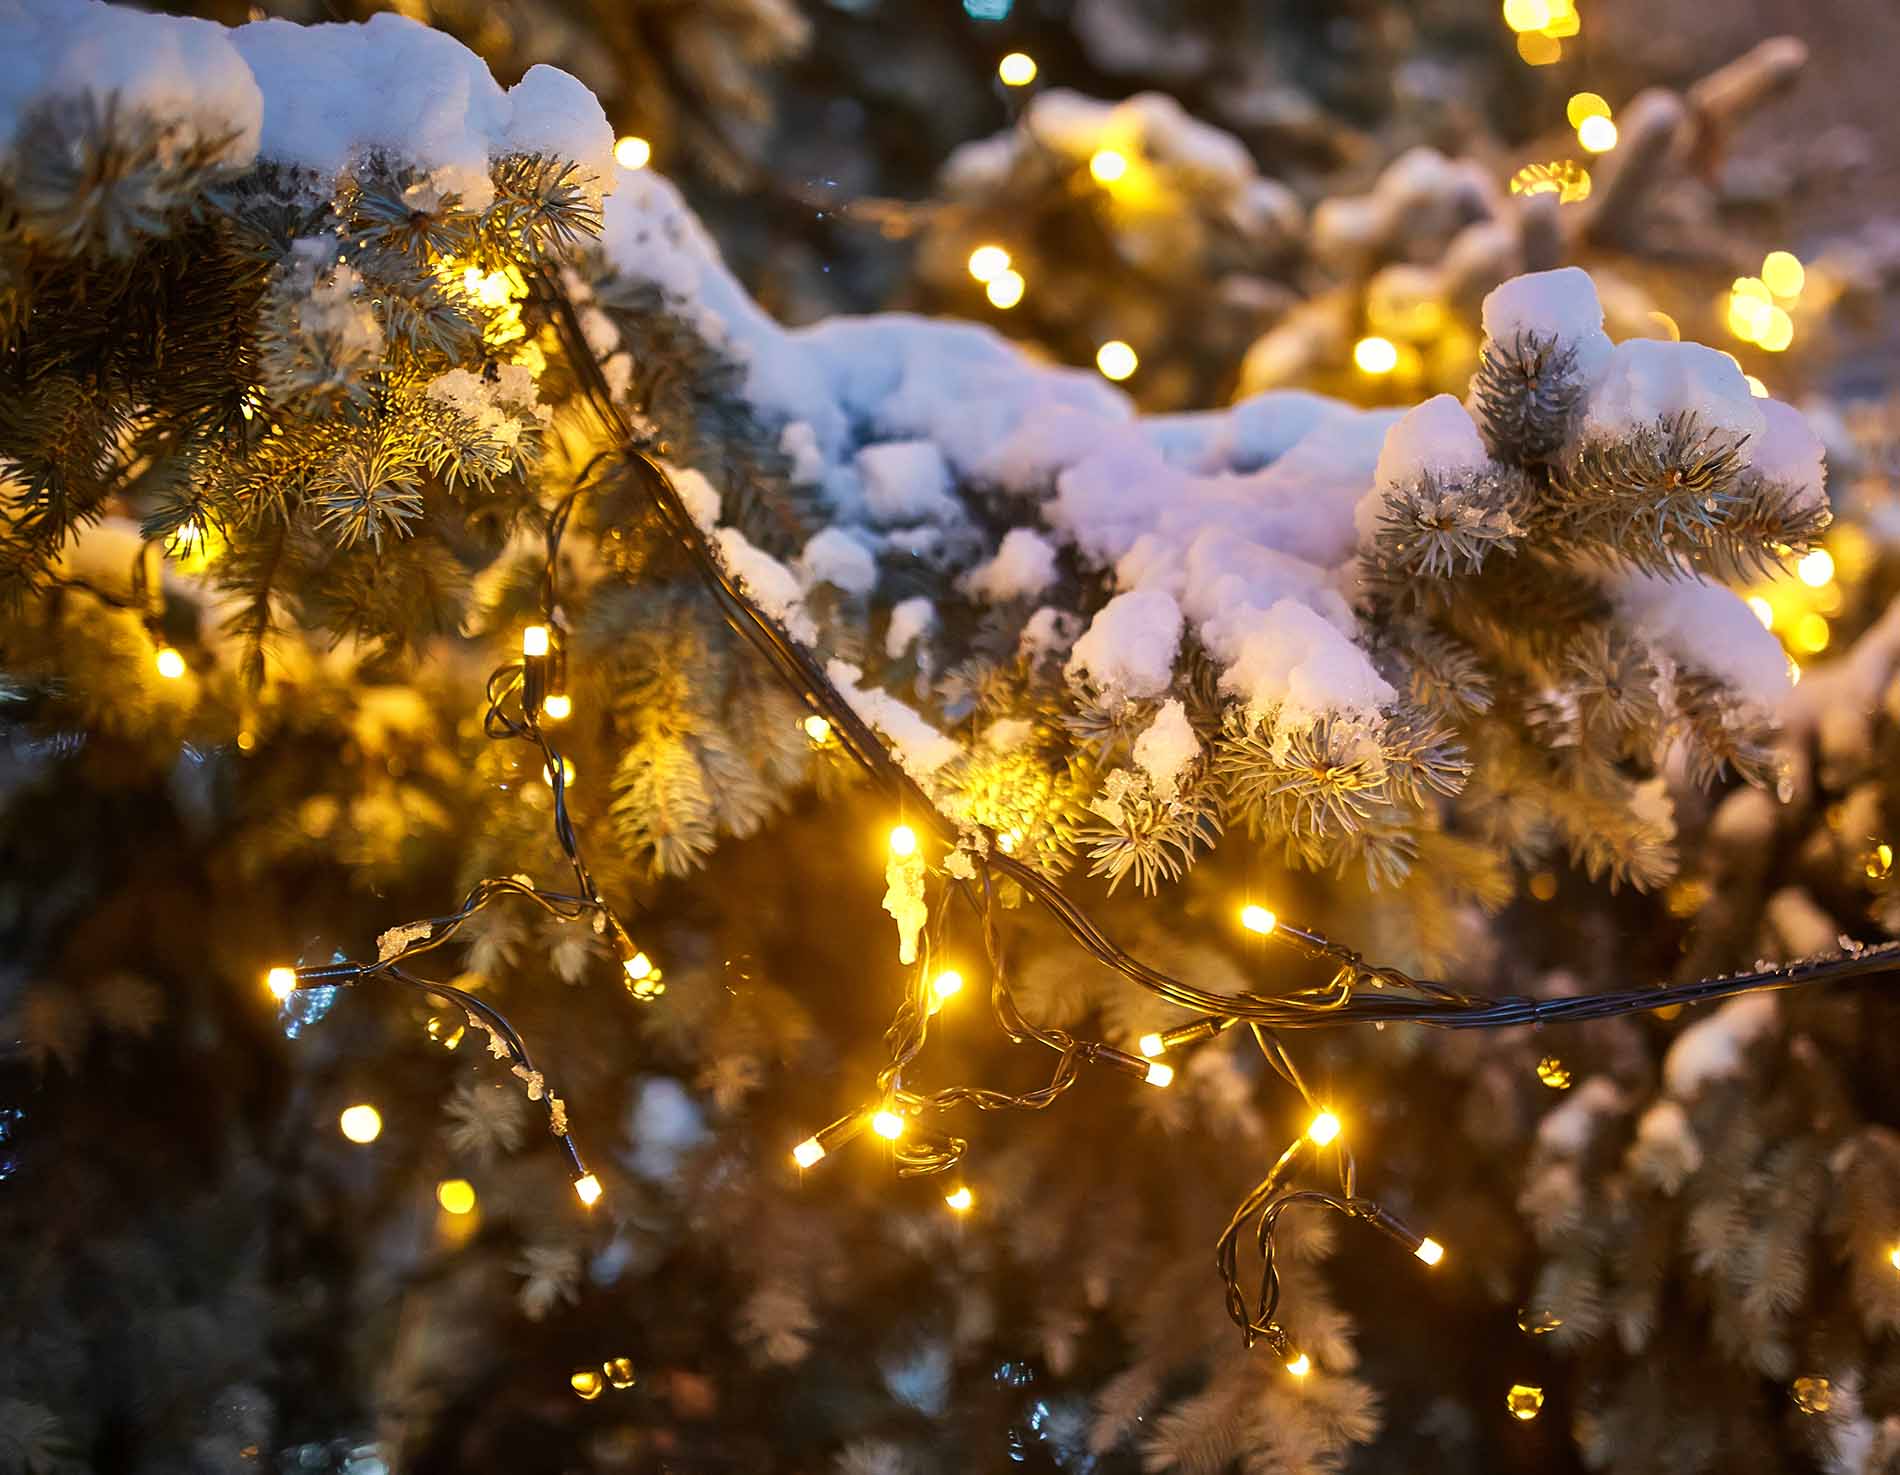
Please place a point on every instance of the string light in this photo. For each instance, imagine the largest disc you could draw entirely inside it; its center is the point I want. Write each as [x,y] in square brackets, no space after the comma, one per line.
[281,982]
[1108,165]
[361,1123]
[1359,991]
[946,983]
[587,1189]
[1159,1074]
[1299,1364]
[1151,1045]
[632,152]
[586,1382]
[1524,1401]
[1810,633]
[619,1371]
[1258,919]
[456,1195]
[987,261]
[1018,69]
[960,1199]
[1322,1129]
[534,640]
[1815,568]
[1527,15]
[818,730]
[1375,355]
[1568,180]
[1777,330]
[1005,289]
[557,707]
[171,665]
[1539,48]
[903,841]
[1894,1257]
[568,772]
[1597,134]
[1116,360]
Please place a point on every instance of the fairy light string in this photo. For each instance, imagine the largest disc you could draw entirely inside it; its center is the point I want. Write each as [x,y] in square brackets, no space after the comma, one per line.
[1359,991]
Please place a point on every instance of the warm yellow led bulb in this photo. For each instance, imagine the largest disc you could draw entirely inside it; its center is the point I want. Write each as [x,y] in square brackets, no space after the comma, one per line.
[1323,1128]
[567,774]
[1018,69]
[1258,919]
[1430,1250]
[1108,165]
[1116,360]
[456,1195]
[1815,568]
[586,1382]
[903,841]
[558,708]
[171,665]
[361,1123]
[282,983]
[1376,355]
[632,151]
[987,261]
[1160,1074]
[946,983]
[1584,106]
[587,1189]
[1811,633]
[1527,15]
[808,1152]
[960,1199]
[639,966]
[534,640]
[1005,289]
[1777,330]
[817,729]
[888,1125]
[1152,1045]
[1299,1364]
[1894,1257]
[1597,134]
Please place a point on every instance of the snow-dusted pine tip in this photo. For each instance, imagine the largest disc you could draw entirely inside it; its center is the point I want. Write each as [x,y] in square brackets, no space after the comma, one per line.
[907,481]
[1648,379]
[1705,627]
[1128,649]
[1166,747]
[1567,1131]
[834,557]
[317,97]
[1715,1048]
[1024,566]
[1560,305]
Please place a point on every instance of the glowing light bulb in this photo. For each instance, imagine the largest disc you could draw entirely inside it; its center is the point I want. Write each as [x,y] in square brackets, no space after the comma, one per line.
[888,1125]
[282,983]
[1811,633]
[946,983]
[558,708]
[1894,1257]
[1258,919]
[1018,69]
[1152,1045]
[1299,1364]
[1323,1129]
[639,966]
[1008,841]
[1430,1250]
[1005,289]
[171,665]
[632,152]
[1116,360]
[567,774]
[903,841]
[1160,1074]
[456,1195]
[1783,273]
[587,1189]
[817,729]
[586,1382]
[361,1123]
[961,1200]
[1584,106]
[1524,1401]
[1108,165]
[1777,331]
[1597,134]
[1375,355]
[534,640]
[808,1152]
[1815,568]
[987,261]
